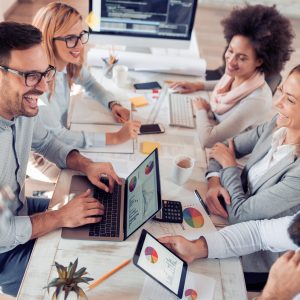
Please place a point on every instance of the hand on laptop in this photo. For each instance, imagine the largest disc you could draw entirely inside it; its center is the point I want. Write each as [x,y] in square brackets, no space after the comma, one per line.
[94,171]
[81,210]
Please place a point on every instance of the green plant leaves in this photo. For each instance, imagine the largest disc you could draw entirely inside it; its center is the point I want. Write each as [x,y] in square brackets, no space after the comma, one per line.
[68,280]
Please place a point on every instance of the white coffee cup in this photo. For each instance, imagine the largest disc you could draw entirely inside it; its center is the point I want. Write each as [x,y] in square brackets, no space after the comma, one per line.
[182,168]
[120,75]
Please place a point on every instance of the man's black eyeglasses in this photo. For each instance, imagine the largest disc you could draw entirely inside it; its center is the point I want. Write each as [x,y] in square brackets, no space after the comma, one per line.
[72,40]
[33,78]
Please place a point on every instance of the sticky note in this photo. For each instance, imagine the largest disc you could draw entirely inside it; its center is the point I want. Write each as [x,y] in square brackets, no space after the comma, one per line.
[139,101]
[148,147]
[92,20]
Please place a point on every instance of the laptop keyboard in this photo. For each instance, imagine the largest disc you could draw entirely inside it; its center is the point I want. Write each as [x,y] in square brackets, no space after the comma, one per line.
[109,226]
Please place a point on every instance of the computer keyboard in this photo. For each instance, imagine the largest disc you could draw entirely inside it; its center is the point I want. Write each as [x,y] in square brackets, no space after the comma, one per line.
[181,111]
[109,226]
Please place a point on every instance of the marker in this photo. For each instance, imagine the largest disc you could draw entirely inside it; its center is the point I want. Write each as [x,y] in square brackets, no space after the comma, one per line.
[202,202]
[98,281]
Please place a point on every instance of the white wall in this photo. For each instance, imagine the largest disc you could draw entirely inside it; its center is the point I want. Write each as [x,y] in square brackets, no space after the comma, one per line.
[4,6]
[286,7]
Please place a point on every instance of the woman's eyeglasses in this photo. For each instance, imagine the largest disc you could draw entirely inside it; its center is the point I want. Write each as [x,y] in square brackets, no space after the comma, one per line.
[72,40]
[33,78]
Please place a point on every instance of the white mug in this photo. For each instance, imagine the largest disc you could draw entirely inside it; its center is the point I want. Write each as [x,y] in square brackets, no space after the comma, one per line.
[182,168]
[120,75]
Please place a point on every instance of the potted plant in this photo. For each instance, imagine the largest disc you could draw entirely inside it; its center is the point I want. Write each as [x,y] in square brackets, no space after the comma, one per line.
[66,284]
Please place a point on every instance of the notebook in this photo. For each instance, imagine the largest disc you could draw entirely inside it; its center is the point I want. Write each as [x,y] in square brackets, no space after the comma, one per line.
[130,205]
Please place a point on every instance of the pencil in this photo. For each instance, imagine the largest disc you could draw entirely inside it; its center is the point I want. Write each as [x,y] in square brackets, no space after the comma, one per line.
[98,281]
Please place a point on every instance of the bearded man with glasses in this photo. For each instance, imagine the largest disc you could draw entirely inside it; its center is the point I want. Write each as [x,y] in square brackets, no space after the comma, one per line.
[24,76]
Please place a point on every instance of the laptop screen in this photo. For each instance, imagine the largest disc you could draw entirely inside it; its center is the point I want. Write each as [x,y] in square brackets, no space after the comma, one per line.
[143,193]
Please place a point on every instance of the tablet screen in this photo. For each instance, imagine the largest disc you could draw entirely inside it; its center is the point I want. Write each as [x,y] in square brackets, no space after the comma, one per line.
[161,264]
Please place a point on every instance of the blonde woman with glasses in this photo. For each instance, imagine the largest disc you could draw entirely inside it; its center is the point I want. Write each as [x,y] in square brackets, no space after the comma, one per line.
[64,39]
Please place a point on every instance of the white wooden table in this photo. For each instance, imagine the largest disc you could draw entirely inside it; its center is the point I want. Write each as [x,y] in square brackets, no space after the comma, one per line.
[101,257]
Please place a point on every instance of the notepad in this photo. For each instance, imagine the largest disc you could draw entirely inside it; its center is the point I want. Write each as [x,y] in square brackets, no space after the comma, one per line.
[92,20]
[148,147]
[139,101]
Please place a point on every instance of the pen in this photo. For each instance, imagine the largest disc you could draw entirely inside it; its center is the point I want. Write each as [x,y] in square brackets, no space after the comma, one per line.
[98,281]
[202,202]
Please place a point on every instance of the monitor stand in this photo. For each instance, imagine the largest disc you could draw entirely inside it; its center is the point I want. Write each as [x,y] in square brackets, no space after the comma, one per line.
[138,49]
[191,51]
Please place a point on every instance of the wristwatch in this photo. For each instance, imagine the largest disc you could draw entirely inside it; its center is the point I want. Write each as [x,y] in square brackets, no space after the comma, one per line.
[112,103]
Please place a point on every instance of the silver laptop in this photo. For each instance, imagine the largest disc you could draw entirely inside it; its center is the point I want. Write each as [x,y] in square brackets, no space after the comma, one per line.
[130,205]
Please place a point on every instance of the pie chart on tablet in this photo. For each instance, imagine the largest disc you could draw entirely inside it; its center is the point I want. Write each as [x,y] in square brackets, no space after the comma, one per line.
[193,217]
[151,255]
[190,294]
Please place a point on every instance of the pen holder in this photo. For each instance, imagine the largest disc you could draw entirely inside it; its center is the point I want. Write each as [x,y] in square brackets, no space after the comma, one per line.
[108,66]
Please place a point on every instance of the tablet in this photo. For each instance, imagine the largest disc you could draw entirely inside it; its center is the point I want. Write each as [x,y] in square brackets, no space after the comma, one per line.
[160,263]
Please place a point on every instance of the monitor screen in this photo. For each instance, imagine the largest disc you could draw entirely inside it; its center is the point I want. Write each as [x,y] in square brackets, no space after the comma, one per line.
[159,19]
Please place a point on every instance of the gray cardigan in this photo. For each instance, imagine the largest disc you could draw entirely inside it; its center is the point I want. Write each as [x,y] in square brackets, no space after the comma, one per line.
[276,194]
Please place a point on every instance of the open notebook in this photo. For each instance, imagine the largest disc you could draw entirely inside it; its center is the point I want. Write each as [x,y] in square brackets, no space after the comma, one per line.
[127,147]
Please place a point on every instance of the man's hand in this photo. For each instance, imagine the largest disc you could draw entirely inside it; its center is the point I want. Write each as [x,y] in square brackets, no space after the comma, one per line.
[83,209]
[284,278]
[201,103]
[129,130]
[184,87]
[187,250]
[214,193]
[120,113]
[223,154]
[94,171]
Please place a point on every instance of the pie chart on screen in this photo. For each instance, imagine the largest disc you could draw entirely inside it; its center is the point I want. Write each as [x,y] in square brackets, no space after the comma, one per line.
[151,255]
[132,184]
[190,294]
[149,167]
[193,217]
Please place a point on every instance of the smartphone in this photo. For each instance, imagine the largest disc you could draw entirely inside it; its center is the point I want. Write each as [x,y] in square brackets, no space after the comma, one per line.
[151,128]
[154,85]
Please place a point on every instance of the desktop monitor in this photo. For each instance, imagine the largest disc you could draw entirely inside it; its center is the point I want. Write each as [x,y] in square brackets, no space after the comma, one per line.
[143,23]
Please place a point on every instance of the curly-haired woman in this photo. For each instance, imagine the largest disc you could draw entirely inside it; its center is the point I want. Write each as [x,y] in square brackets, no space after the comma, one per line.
[258,44]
